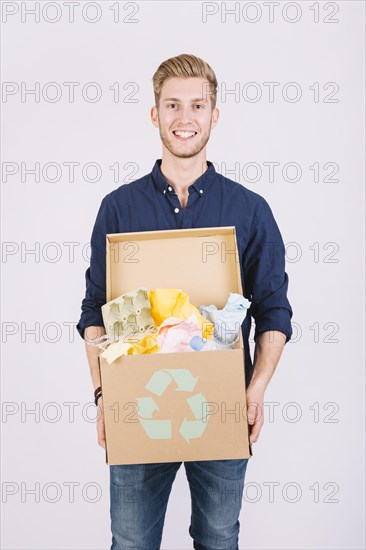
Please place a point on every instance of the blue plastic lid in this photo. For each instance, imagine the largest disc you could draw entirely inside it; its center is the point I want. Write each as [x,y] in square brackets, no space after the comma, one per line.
[197,343]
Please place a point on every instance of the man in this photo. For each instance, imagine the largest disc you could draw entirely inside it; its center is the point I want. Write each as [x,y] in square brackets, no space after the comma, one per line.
[183,191]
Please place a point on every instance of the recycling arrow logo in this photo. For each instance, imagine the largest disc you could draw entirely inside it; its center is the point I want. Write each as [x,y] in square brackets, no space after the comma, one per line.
[162,429]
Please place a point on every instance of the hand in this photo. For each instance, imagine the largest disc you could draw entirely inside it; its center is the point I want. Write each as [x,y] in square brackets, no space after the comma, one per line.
[255,410]
[100,424]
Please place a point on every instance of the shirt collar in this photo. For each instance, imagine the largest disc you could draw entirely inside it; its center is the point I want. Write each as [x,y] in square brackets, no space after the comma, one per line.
[200,185]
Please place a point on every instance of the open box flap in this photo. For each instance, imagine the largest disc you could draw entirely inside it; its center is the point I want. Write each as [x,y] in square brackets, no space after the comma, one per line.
[203,262]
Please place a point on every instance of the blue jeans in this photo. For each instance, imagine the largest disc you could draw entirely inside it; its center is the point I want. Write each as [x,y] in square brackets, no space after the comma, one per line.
[139,497]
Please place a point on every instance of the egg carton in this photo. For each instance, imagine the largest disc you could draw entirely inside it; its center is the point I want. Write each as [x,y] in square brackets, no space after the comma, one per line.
[129,314]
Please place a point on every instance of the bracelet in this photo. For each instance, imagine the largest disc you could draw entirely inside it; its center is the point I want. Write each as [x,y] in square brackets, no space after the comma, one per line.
[97,394]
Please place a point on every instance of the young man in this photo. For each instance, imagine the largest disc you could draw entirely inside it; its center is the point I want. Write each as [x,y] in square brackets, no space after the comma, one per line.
[183,191]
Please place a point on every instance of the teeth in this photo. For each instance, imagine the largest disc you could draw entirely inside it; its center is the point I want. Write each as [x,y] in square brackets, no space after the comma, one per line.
[184,134]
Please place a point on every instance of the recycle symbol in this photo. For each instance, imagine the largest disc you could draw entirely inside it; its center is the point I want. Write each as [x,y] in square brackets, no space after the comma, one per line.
[162,429]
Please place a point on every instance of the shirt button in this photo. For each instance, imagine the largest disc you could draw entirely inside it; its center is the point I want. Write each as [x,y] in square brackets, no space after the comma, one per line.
[176,210]
[164,191]
[201,191]
[170,189]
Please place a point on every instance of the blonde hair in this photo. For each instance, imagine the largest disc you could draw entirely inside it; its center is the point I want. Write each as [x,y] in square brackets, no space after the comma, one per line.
[184,66]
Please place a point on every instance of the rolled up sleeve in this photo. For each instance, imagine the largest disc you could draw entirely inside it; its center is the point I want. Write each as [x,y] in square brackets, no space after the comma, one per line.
[95,275]
[264,273]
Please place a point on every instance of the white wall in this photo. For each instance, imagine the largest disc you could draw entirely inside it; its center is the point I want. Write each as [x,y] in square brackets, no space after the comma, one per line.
[322,369]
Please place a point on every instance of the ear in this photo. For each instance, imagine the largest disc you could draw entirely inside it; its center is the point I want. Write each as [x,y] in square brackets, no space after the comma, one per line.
[215,117]
[154,114]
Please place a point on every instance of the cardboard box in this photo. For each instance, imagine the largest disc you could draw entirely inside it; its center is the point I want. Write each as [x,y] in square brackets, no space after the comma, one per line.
[172,407]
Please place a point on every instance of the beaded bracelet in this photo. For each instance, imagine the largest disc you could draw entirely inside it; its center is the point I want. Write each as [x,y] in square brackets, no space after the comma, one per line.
[97,394]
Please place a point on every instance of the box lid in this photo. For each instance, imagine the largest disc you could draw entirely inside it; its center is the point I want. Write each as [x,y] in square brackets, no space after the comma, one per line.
[203,262]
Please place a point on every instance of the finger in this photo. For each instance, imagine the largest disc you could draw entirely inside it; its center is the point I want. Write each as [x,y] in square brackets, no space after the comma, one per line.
[255,431]
[101,434]
[101,438]
[254,434]
[252,413]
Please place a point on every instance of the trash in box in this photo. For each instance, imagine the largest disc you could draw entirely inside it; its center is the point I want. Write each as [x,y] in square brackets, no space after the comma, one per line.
[163,321]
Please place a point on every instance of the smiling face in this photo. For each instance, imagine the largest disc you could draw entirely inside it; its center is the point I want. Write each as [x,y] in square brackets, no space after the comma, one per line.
[184,116]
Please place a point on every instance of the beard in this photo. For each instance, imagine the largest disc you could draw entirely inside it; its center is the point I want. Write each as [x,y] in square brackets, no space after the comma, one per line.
[184,151]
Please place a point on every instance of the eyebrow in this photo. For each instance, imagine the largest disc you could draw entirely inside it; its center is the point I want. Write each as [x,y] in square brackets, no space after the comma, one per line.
[176,99]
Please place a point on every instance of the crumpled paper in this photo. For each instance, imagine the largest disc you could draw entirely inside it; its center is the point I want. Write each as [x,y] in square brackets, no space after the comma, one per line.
[173,302]
[147,344]
[227,321]
[174,335]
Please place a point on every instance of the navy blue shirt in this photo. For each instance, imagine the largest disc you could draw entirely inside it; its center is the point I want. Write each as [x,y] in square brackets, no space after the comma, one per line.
[150,204]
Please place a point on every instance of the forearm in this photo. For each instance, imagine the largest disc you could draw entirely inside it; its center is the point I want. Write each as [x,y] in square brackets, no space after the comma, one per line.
[267,353]
[93,352]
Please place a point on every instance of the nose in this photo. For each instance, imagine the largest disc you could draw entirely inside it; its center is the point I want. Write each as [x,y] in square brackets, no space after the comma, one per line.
[185,115]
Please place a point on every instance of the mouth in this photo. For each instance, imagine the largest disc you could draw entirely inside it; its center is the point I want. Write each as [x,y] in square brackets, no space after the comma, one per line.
[184,135]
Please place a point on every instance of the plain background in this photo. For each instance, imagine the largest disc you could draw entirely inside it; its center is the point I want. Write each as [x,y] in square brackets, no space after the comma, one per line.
[312,453]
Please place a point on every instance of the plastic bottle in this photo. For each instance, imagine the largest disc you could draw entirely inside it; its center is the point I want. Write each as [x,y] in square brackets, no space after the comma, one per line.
[199,344]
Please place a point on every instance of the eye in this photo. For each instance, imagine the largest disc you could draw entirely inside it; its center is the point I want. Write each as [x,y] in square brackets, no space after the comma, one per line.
[170,104]
[199,105]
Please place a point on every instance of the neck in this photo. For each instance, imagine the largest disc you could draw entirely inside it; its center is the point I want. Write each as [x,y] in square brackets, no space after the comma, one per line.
[182,172]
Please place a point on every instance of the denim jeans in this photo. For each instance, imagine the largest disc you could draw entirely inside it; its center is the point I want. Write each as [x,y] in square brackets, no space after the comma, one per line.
[139,496]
